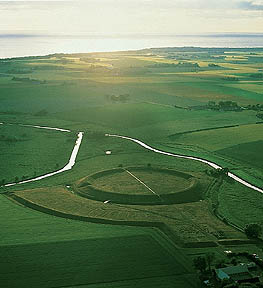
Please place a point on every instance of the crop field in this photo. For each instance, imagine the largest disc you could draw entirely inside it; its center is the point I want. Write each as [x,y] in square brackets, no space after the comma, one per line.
[252,86]
[240,143]
[200,102]
[117,258]
[248,201]
[246,152]
[35,245]
[156,120]
[165,282]
[217,139]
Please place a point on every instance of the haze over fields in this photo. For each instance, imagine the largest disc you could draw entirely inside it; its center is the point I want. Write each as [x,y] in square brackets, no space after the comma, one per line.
[115,17]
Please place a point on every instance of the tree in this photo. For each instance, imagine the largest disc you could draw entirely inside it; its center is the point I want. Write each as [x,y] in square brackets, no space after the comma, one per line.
[211,103]
[42,112]
[209,259]
[234,261]
[253,230]
[220,263]
[200,264]
[224,171]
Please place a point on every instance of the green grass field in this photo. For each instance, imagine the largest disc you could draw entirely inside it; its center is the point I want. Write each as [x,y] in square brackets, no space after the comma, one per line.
[124,182]
[218,139]
[240,145]
[248,201]
[148,120]
[246,152]
[117,259]
[37,250]
[190,222]
[160,96]
[161,182]
[30,152]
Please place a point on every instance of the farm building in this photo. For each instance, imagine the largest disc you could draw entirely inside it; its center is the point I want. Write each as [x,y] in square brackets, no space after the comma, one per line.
[237,273]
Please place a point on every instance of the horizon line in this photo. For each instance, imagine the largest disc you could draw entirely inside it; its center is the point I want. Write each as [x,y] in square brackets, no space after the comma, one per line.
[131,35]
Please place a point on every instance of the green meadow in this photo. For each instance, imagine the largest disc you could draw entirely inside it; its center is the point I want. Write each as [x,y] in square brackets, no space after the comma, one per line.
[37,250]
[248,201]
[31,152]
[199,102]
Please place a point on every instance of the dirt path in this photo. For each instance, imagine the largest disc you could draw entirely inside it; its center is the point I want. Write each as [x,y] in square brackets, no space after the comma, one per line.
[142,183]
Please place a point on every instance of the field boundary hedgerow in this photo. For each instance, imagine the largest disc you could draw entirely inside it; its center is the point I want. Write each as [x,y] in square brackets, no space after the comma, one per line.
[172,136]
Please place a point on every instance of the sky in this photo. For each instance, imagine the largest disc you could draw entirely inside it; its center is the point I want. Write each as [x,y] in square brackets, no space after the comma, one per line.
[136,17]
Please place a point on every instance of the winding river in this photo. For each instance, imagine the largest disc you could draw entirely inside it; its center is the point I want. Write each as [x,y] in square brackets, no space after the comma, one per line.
[211,164]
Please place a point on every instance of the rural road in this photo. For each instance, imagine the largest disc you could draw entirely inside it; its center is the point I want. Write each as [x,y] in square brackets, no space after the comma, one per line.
[67,167]
[211,164]
[45,127]
[75,151]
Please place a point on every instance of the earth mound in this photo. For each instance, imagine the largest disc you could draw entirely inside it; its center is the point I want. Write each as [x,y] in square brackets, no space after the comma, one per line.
[140,185]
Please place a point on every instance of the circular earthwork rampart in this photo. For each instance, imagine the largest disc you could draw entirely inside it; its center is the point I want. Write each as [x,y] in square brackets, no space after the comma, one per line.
[140,186]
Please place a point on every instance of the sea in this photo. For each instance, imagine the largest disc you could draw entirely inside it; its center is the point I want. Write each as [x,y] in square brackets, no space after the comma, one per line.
[19,45]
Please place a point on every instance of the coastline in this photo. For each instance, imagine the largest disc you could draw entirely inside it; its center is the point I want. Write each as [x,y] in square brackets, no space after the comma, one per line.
[27,45]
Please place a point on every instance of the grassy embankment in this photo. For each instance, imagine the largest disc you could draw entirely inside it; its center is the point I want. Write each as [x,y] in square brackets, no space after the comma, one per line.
[189,222]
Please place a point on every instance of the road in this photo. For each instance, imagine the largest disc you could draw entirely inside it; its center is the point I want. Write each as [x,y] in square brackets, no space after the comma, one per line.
[75,150]
[211,164]
[67,167]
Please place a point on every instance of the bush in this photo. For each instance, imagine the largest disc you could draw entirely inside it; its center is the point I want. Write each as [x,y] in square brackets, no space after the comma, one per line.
[200,264]
[253,230]
[42,112]
[220,263]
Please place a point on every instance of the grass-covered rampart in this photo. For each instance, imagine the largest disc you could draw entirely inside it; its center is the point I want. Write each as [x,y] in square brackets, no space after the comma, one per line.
[139,194]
